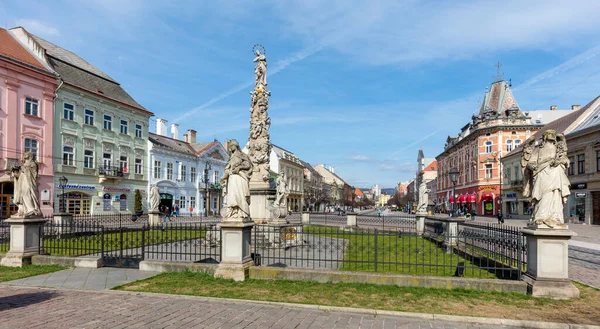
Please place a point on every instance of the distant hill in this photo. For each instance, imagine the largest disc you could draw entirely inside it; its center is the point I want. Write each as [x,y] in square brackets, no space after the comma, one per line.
[388,191]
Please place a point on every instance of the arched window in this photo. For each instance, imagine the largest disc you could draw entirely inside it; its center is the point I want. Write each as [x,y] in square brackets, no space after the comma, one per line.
[488,147]
[517,142]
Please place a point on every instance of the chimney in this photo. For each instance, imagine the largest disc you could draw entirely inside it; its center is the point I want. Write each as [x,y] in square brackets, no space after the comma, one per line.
[191,136]
[175,131]
[552,107]
[575,107]
[161,127]
[185,138]
[331,169]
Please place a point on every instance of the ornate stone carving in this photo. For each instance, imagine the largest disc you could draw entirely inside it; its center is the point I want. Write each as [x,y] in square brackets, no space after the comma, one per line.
[282,190]
[259,143]
[138,153]
[423,198]
[216,155]
[154,198]
[26,187]
[107,147]
[545,180]
[69,140]
[123,150]
[89,143]
[236,182]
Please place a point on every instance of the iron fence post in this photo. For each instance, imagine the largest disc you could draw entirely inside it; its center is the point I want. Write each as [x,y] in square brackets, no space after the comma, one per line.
[519,254]
[143,241]
[376,249]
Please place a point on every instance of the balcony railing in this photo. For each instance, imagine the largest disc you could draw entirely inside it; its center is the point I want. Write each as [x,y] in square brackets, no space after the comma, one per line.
[111,171]
[516,182]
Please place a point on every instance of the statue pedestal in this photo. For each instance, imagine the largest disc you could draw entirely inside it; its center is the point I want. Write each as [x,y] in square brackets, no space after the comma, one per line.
[154,218]
[262,197]
[548,263]
[351,220]
[235,250]
[24,240]
[64,222]
[420,224]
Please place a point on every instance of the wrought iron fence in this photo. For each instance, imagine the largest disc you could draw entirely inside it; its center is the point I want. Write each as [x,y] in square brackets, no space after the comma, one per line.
[373,250]
[328,219]
[390,222]
[503,245]
[192,242]
[4,237]
[71,239]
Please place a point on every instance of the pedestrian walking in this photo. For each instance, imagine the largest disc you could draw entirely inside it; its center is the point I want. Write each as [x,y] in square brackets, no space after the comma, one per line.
[500,217]
[473,214]
[191,210]
[167,214]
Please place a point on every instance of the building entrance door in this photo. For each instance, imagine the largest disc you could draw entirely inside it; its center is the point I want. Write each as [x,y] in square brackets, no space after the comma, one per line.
[596,207]
[6,193]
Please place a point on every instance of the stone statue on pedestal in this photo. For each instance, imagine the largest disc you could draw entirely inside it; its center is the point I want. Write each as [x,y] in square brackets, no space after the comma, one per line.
[545,180]
[423,198]
[260,70]
[235,182]
[26,187]
[154,199]
[282,190]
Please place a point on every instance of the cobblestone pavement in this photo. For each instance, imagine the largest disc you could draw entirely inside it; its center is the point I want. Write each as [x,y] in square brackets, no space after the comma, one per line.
[45,308]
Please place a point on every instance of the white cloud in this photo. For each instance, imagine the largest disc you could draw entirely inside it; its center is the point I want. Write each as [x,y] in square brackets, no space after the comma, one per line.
[360,157]
[38,28]
[388,32]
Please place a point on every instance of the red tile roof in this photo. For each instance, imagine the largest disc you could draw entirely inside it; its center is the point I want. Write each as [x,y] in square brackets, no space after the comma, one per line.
[10,47]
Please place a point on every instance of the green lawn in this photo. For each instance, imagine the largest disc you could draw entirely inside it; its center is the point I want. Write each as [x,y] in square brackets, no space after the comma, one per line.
[15,273]
[91,244]
[397,254]
[384,297]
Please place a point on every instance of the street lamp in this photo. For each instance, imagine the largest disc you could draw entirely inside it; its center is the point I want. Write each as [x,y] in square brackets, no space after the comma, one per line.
[63,182]
[453,177]
[207,168]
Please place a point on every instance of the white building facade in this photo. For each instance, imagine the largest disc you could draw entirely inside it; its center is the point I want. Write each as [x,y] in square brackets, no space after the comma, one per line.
[187,173]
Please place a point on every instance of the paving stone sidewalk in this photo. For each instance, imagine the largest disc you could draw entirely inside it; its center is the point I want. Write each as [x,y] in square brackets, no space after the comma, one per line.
[49,308]
[84,278]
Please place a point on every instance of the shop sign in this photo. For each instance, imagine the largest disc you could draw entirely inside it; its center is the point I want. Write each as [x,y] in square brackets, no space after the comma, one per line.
[579,186]
[77,187]
[511,195]
[166,196]
[116,189]
[581,195]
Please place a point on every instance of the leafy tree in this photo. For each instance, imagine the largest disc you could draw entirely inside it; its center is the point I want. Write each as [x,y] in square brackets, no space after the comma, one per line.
[137,201]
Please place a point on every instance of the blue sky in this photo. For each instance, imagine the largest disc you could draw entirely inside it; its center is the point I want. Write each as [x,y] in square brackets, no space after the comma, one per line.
[358,85]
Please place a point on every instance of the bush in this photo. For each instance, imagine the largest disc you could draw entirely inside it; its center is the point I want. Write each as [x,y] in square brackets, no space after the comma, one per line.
[137,206]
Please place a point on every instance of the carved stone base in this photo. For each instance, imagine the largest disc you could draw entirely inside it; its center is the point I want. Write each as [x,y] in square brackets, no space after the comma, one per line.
[154,218]
[235,248]
[557,289]
[548,263]
[237,272]
[261,207]
[541,225]
[24,240]
[15,260]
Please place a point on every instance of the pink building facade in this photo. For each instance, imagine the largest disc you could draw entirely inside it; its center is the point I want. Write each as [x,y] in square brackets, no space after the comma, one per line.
[27,89]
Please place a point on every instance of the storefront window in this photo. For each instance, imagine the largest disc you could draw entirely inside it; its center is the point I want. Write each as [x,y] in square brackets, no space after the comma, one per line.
[123,202]
[512,207]
[77,203]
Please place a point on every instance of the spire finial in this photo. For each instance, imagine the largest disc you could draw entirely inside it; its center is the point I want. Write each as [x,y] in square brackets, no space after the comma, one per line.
[499,75]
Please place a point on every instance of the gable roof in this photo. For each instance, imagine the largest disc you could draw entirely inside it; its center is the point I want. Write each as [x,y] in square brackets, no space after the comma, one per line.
[70,57]
[75,71]
[203,147]
[498,99]
[12,49]
[591,120]
[310,168]
[432,166]
[171,144]
[563,125]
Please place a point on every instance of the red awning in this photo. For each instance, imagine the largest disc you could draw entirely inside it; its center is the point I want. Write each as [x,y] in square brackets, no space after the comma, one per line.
[472,198]
[462,199]
[487,196]
[451,199]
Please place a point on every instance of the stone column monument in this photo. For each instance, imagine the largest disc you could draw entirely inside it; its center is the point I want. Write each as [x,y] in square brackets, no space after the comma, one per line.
[26,224]
[545,181]
[264,208]
[236,225]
